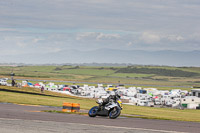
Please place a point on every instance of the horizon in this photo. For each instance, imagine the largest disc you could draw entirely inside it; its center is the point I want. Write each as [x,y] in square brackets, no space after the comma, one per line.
[109,56]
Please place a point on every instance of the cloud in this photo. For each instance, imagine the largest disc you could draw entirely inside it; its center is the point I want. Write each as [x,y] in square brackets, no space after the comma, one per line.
[129,44]
[92,24]
[21,44]
[175,37]
[195,37]
[107,36]
[36,40]
[99,1]
[160,38]
[15,40]
[150,38]
[96,36]
[7,29]
[81,36]
[53,49]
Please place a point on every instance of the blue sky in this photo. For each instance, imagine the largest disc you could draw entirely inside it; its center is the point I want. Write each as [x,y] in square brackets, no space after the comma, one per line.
[35,26]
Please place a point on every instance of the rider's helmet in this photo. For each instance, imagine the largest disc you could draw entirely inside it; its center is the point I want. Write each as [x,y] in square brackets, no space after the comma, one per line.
[99,101]
[112,95]
[117,94]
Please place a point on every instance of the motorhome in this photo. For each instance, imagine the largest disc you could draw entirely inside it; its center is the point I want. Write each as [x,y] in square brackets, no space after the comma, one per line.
[190,102]
[195,92]
[3,81]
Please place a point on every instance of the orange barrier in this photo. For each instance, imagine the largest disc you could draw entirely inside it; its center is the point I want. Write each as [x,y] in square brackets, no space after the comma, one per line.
[67,107]
[75,107]
[71,107]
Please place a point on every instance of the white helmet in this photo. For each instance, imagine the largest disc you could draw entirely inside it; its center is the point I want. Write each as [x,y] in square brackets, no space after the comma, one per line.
[112,93]
[99,101]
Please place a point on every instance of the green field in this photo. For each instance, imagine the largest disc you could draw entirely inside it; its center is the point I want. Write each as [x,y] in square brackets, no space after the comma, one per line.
[154,76]
[33,96]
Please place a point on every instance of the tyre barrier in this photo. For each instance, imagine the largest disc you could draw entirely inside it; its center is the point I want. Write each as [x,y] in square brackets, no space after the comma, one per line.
[67,107]
[71,107]
[75,107]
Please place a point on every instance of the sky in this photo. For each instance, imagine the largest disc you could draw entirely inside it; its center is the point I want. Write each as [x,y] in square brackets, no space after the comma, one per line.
[45,26]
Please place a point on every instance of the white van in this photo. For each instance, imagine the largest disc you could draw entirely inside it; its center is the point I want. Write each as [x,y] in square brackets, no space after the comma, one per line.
[3,82]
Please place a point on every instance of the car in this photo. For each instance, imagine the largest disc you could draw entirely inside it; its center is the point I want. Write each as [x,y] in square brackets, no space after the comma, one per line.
[3,82]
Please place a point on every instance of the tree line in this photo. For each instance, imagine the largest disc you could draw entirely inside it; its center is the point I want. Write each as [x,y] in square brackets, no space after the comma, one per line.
[158,71]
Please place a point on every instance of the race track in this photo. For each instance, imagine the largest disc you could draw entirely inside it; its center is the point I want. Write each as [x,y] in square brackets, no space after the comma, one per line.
[20,118]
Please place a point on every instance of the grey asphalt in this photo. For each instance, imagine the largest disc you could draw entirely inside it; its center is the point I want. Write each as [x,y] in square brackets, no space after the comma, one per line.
[19,118]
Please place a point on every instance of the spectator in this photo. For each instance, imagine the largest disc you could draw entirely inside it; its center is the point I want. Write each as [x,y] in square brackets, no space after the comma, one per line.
[13,82]
[42,89]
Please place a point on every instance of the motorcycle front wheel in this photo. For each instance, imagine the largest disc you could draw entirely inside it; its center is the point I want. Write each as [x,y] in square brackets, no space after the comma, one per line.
[114,113]
[93,111]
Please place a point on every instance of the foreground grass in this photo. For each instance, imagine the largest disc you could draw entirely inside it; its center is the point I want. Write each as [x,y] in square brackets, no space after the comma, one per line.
[163,113]
[34,97]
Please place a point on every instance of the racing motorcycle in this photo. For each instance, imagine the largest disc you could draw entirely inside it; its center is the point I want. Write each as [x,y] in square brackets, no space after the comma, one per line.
[111,109]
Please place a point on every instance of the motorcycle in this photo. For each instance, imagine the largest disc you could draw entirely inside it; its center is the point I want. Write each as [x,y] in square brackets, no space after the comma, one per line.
[111,109]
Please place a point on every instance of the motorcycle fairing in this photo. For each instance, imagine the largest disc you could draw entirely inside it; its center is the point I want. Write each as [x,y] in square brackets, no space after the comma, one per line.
[110,106]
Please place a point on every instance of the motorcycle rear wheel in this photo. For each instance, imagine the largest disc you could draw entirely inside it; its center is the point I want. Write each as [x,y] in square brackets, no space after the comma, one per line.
[93,111]
[114,113]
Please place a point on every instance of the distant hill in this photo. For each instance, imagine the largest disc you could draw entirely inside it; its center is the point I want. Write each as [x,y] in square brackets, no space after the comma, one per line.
[165,57]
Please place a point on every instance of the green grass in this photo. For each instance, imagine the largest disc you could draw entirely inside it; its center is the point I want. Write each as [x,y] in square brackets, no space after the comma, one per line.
[34,97]
[130,75]
[163,113]
[93,72]
[102,75]
[38,68]
[26,95]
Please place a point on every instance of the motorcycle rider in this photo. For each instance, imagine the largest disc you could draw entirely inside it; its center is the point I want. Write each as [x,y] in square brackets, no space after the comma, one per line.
[113,96]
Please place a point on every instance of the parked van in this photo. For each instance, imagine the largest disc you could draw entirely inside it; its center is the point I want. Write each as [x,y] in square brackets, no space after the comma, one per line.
[3,82]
